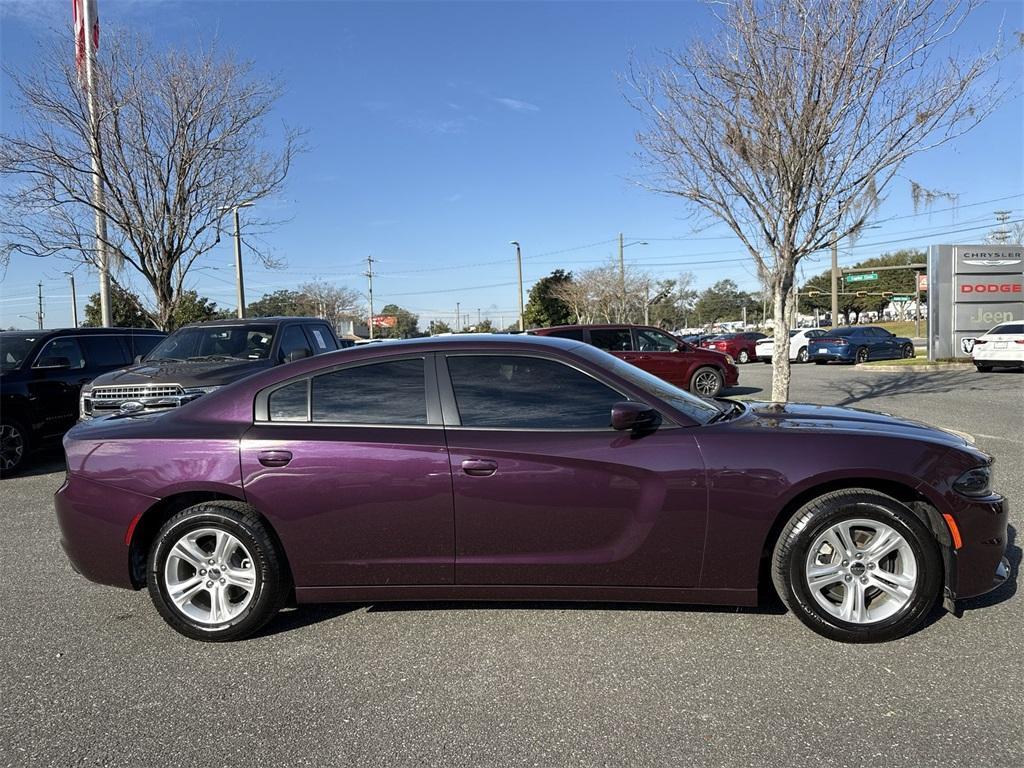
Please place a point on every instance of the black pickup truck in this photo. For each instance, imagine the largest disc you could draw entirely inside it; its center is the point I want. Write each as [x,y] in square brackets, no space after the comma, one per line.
[199,358]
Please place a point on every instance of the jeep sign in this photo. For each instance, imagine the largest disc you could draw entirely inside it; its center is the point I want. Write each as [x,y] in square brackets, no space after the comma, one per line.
[973,287]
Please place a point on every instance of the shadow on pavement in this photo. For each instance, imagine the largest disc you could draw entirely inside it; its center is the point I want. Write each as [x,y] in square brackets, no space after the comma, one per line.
[42,463]
[915,384]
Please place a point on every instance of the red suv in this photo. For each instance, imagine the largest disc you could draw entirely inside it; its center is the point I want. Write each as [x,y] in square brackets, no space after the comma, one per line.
[700,371]
[742,347]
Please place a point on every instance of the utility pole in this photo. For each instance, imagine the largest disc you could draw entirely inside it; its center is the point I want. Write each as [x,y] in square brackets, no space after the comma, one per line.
[519,267]
[478,317]
[99,207]
[74,299]
[622,271]
[39,312]
[458,316]
[369,277]
[835,283]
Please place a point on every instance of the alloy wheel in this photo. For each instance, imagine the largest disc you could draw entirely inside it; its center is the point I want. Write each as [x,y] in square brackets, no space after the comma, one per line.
[706,383]
[862,355]
[861,571]
[209,576]
[908,351]
[743,356]
[12,446]
[802,355]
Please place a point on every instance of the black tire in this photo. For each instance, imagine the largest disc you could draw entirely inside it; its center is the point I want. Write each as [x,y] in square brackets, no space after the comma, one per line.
[908,351]
[743,357]
[983,368]
[790,557]
[707,382]
[862,355]
[820,362]
[271,586]
[14,447]
[802,355]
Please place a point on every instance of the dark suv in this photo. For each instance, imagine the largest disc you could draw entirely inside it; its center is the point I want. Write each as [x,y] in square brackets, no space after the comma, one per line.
[700,371]
[41,373]
[199,358]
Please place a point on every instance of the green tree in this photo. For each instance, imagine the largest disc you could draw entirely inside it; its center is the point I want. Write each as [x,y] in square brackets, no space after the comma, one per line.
[192,308]
[544,308]
[722,302]
[280,303]
[895,281]
[439,327]
[672,302]
[125,309]
[406,323]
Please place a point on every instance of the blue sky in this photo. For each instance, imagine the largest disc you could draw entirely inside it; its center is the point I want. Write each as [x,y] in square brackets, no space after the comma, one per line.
[440,132]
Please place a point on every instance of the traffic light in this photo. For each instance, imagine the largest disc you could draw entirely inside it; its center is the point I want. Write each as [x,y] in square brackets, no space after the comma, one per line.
[887,294]
[862,294]
[814,293]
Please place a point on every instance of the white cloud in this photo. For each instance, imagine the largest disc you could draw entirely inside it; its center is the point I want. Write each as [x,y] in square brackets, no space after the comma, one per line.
[515,104]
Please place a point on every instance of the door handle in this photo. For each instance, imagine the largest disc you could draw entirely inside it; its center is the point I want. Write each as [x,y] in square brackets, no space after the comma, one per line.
[479,467]
[275,458]
[631,357]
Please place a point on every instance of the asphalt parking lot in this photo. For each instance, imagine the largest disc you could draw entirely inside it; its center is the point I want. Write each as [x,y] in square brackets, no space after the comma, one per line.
[92,676]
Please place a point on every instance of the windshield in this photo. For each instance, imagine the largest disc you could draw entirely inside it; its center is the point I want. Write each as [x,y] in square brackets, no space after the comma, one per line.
[14,348]
[700,410]
[220,342]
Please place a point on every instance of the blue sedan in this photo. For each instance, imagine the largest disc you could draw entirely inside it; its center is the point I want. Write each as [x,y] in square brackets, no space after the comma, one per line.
[858,344]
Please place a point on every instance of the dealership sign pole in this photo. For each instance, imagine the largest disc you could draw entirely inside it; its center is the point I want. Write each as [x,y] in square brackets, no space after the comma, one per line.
[971,288]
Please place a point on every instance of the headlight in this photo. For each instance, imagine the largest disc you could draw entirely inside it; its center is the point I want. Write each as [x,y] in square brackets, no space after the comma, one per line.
[200,390]
[85,401]
[731,361]
[975,482]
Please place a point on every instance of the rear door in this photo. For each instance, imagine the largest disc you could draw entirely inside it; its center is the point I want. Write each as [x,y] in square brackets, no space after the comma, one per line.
[351,467]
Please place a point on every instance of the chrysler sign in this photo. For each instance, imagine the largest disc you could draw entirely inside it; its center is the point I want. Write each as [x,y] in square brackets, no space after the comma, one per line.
[992,258]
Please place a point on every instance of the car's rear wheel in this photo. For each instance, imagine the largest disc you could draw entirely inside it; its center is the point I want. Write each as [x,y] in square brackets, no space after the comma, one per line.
[908,351]
[862,355]
[214,572]
[857,566]
[706,382]
[802,355]
[13,446]
[983,368]
[743,356]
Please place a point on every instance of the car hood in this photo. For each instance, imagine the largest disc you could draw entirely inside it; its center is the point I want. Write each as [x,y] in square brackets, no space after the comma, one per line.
[829,418]
[187,374]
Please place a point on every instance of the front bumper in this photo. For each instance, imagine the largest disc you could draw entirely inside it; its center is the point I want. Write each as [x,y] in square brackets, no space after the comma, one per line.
[980,564]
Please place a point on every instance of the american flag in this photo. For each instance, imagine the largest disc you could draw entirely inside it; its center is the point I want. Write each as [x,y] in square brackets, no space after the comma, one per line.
[78,15]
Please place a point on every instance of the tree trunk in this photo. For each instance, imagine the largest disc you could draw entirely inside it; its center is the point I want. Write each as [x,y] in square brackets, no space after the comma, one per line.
[782,313]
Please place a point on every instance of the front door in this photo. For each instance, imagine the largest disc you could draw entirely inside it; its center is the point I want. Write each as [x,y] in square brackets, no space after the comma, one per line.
[662,356]
[55,388]
[547,493]
[351,468]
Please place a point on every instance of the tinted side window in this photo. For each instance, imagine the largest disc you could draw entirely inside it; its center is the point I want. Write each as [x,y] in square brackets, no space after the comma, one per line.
[292,340]
[569,333]
[528,393]
[321,338]
[105,351]
[391,392]
[611,339]
[63,348]
[1012,328]
[290,403]
[655,341]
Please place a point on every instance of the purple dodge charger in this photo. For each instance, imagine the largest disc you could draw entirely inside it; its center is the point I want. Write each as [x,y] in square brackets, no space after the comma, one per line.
[511,467]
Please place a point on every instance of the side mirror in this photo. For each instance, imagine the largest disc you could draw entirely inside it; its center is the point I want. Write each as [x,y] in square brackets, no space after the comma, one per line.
[138,359]
[635,417]
[296,354]
[53,362]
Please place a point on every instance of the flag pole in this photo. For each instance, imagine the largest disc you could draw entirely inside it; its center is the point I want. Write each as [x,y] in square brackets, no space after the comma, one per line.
[99,210]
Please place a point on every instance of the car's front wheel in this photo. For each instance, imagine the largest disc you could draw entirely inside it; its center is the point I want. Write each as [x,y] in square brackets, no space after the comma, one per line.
[857,566]
[908,351]
[214,572]
[13,446]
[706,382]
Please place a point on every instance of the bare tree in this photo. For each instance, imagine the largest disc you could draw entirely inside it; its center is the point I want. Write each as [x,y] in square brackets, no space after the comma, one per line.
[333,303]
[180,136]
[601,294]
[790,124]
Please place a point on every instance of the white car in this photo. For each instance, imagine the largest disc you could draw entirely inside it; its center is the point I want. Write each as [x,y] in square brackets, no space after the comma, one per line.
[798,341]
[1002,347]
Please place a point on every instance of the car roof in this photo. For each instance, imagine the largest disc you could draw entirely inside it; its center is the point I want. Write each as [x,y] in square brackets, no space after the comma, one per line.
[254,321]
[83,332]
[595,326]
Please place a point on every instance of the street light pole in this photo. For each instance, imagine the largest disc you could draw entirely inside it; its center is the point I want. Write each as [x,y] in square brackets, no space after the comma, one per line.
[74,299]
[835,283]
[239,282]
[622,271]
[519,268]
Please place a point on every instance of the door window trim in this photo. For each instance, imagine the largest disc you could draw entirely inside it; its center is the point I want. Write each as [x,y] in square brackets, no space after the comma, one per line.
[450,409]
[261,403]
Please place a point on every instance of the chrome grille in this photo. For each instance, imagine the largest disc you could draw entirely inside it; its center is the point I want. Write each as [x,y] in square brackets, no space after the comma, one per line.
[136,391]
